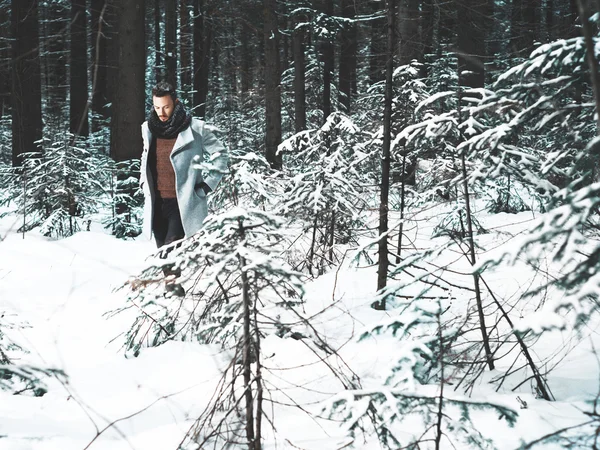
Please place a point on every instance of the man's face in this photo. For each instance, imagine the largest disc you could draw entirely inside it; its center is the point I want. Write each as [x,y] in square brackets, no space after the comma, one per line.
[163,107]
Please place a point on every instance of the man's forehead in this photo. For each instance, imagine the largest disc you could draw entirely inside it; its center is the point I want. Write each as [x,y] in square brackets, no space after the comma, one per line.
[162,100]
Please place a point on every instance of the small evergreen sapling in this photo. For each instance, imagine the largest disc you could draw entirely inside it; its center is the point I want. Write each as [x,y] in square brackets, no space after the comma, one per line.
[126,200]
[407,395]
[238,290]
[324,193]
[20,378]
[61,187]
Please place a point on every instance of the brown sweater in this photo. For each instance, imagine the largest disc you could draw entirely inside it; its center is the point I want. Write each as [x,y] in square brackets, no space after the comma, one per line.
[165,176]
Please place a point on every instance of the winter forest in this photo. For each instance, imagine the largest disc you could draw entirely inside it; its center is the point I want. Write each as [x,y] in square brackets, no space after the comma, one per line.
[403,254]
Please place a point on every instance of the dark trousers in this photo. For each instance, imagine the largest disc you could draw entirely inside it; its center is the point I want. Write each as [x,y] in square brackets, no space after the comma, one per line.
[166,223]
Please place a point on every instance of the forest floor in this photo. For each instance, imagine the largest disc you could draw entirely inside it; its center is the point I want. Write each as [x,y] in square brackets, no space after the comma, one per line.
[62,289]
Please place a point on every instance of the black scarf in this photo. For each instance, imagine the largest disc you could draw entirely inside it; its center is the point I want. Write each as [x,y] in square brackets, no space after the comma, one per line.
[179,121]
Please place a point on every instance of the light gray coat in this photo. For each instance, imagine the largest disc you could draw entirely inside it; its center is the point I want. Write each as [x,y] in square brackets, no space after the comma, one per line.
[194,145]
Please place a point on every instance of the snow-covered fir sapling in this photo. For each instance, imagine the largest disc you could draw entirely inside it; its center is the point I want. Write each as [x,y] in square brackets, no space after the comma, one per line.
[238,290]
[126,199]
[453,131]
[545,89]
[59,188]
[20,378]
[324,191]
[410,406]
[250,182]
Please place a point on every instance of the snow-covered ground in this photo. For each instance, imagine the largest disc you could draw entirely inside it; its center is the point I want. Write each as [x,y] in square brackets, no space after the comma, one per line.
[62,289]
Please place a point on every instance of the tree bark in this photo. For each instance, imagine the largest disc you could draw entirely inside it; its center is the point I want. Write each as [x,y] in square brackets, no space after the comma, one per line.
[272,85]
[471,43]
[171,42]
[427,33]
[128,113]
[348,50]
[185,46]
[247,58]
[299,75]
[202,47]
[328,55]
[99,66]
[382,271]
[54,66]
[79,100]
[159,64]
[4,58]
[410,45]
[377,51]
[26,93]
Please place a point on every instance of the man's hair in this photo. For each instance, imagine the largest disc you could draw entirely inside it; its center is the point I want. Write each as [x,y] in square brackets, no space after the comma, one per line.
[162,89]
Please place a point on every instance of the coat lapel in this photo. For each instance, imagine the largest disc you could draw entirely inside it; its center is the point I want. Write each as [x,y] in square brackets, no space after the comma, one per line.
[183,139]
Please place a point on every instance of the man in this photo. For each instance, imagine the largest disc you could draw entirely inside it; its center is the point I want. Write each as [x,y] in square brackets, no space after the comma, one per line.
[174,188]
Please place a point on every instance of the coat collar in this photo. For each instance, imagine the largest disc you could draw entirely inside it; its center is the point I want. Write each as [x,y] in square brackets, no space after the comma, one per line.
[183,139]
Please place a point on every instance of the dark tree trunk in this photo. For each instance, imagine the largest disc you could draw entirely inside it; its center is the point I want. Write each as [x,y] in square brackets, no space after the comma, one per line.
[231,64]
[524,26]
[160,68]
[185,46]
[128,113]
[328,55]
[112,53]
[272,85]
[247,58]
[79,101]
[5,61]
[55,79]
[171,42]
[446,35]
[299,76]
[410,45]
[471,43]
[348,50]
[427,33]
[382,271]
[202,46]
[99,60]
[26,80]
[377,48]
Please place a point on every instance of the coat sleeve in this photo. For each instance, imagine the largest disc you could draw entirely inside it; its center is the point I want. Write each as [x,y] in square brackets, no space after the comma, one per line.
[216,156]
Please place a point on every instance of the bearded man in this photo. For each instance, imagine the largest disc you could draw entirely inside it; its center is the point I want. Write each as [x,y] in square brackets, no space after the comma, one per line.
[175,188]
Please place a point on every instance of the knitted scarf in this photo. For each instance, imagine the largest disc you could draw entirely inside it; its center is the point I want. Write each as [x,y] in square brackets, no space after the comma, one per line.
[179,121]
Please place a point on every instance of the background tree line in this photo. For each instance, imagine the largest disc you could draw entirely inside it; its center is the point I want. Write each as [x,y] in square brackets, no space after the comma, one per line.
[91,63]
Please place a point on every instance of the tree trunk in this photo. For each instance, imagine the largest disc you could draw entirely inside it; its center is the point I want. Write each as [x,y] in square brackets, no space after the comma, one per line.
[348,50]
[523,26]
[128,113]
[4,60]
[159,64]
[272,85]
[471,44]
[112,53]
[26,80]
[299,76]
[171,42]
[79,101]
[382,271]
[185,47]
[55,79]
[328,56]
[377,51]
[202,47]
[247,58]
[99,60]
[410,45]
[427,34]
